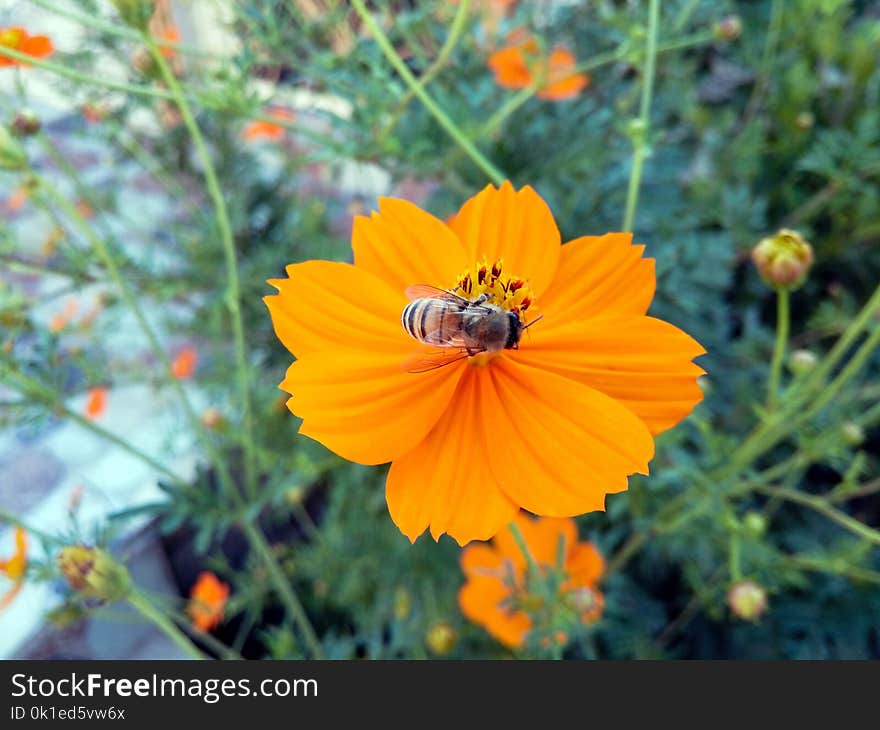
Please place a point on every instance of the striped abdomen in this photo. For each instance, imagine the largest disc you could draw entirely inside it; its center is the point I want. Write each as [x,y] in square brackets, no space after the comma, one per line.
[432,321]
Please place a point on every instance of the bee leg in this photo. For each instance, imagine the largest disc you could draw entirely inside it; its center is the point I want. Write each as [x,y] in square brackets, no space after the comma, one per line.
[481,299]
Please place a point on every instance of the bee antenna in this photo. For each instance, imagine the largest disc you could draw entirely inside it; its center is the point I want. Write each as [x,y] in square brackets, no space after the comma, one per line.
[539,317]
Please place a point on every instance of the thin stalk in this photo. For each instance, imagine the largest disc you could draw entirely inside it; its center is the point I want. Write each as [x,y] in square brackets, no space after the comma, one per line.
[783,319]
[11,519]
[640,138]
[455,33]
[31,388]
[116,29]
[133,303]
[70,73]
[818,504]
[285,591]
[492,172]
[233,293]
[146,609]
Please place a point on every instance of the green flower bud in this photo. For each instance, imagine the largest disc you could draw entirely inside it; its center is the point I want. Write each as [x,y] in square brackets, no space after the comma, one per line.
[784,259]
[747,600]
[853,434]
[25,123]
[729,28]
[801,362]
[441,638]
[93,573]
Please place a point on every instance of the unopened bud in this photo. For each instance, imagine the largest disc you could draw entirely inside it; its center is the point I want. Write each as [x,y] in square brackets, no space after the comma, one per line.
[755,523]
[729,28]
[402,603]
[784,259]
[12,155]
[805,120]
[747,600]
[212,418]
[588,602]
[441,638]
[853,434]
[800,362]
[93,573]
[25,123]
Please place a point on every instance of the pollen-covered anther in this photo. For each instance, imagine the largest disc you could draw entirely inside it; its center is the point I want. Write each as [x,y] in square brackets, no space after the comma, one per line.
[508,292]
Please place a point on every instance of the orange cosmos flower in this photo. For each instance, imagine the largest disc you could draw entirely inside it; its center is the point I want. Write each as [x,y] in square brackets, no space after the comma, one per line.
[184,364]
[96,403]
[260,129]
[207,599]
[14,568]
[518,65]
[38,46]
[496,591]
[552,426]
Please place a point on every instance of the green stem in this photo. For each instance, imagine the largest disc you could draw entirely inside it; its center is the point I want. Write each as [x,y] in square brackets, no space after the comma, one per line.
[11,519]
[70,73]
[455,32]
[818,504]
[782,325]
[492,172]
[233,293]
[640,137]
[146,609]
[31,388]
[735,557]
[524,548]
[133,303]
[285,591]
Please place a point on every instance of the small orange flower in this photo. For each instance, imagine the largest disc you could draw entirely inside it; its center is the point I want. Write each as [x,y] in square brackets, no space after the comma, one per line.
[96,403]
[168,38]
[61,319]
[14,568]
[37,46]
[519,64]
[496,591]
[18,199]
[94,113]
[552,426]
[84,209]
[207,599]
[261,129]
[184,364]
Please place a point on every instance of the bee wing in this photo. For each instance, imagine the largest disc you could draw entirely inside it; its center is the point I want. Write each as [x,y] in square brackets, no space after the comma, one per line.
[429,358]
[425,291]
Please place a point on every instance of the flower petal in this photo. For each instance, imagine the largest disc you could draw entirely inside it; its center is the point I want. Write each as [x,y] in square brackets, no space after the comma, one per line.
[599,275]
[364,406]
[38,46]
[642,362]
[510,68]
[404,245]
[445,482]
[515,226]
[563,83]
[481,598]
[558,447]
[325,304]
[585,565]
[542,537]
[481,601]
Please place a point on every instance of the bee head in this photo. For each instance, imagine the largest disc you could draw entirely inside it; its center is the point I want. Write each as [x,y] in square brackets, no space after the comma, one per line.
[514,332]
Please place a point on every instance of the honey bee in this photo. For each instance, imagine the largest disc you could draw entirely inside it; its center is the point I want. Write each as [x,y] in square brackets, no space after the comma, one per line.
[455,327]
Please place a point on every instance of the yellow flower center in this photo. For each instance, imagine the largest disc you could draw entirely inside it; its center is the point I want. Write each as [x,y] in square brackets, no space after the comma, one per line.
[508,292]
[10,38]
